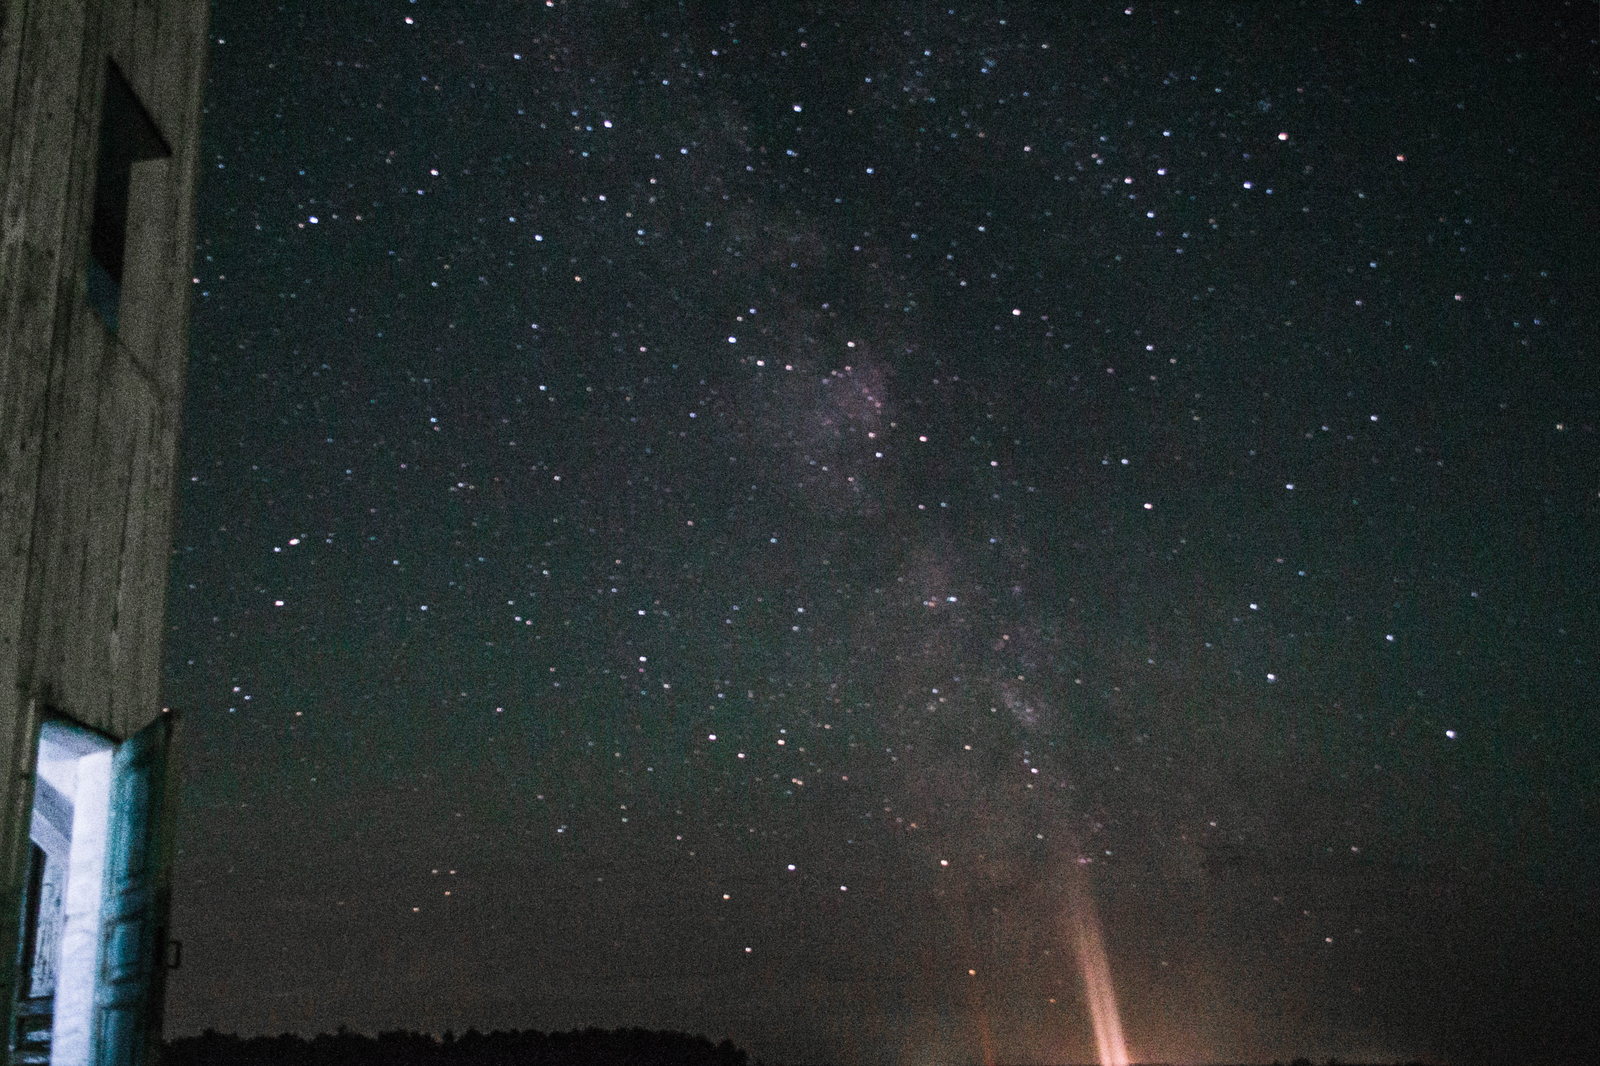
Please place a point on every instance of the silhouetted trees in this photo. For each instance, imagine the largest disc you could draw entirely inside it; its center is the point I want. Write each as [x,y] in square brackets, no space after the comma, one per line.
[580,1047]
[589,1047]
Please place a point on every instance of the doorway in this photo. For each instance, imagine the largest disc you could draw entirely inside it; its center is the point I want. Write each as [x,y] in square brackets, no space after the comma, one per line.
[92,933]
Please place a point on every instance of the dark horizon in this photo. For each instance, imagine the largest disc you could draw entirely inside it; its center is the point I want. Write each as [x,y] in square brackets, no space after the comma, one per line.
[895,534]
[212,1048]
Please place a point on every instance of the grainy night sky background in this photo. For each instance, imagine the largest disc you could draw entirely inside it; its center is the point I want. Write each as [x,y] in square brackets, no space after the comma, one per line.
[730,517]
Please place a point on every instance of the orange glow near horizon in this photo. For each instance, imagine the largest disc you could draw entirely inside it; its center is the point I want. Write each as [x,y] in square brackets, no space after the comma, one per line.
[1097,988]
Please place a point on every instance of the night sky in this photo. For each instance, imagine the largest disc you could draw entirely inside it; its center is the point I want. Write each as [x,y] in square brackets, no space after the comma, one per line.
[760,519]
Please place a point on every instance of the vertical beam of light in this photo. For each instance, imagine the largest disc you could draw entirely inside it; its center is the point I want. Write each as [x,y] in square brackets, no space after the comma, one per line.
[1096,970]
[985,1033]
[976,1002]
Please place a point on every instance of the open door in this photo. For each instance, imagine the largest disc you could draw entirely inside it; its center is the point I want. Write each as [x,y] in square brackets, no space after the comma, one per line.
[91,966]
[132,966]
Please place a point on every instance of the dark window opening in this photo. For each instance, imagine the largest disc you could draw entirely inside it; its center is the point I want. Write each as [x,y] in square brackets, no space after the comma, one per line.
[128,135]
[32,1014]
[37,860]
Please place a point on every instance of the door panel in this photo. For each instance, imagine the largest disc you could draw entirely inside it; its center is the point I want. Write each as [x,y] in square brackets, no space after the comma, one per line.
[133,908]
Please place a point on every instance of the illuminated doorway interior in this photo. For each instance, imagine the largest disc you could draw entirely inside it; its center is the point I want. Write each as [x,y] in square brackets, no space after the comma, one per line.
[92,913]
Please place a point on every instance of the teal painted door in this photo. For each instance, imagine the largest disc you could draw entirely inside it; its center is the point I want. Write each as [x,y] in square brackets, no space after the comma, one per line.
[131,966]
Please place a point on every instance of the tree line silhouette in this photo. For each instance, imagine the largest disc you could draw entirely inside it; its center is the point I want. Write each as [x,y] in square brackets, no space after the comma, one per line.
[530,1047]
[587,1047]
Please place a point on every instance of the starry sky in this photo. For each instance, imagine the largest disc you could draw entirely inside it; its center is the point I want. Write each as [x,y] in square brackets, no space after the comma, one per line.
[755,518]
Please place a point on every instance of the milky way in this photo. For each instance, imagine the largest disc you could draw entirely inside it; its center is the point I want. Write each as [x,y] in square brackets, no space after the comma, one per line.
[876,533]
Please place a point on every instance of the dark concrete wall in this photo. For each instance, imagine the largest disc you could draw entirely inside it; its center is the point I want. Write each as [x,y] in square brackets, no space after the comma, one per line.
[89,417]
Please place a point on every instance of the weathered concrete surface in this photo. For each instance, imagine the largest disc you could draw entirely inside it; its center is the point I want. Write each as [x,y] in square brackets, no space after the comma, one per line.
[89,417]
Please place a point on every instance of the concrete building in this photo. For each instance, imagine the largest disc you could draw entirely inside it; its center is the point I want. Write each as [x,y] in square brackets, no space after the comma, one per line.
[100,104]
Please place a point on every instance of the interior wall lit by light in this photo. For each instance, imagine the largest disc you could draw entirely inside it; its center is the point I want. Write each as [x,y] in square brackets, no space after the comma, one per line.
[68,830]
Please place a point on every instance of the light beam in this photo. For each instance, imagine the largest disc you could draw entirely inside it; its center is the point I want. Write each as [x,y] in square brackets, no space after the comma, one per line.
[1096,970]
